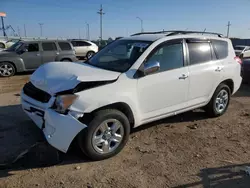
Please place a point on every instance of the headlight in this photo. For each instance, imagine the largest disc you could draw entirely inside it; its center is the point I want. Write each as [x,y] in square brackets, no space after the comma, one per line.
[63,102]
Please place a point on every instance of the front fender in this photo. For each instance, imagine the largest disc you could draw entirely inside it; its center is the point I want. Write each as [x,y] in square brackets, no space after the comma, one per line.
[18,62]
[85,105]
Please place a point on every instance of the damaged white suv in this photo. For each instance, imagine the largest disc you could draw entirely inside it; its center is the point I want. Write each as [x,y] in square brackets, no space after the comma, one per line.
[132,81]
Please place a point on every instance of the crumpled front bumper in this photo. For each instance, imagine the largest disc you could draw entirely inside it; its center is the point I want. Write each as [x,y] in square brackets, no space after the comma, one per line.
[59,129]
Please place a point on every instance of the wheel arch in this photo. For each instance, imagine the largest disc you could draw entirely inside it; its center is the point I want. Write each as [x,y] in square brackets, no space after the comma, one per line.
[229,83]
[121,106]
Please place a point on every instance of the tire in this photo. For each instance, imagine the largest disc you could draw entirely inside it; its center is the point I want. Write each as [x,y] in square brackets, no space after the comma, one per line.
[66,60]
[90,54]
[212,107]
[7,69]
[87,137]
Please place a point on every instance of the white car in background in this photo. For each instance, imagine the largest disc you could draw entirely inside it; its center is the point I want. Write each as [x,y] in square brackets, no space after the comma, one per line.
[242,51]
[84,48]
[3,45]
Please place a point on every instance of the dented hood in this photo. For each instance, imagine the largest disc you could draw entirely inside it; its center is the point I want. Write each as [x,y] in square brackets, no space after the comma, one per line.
[55,77]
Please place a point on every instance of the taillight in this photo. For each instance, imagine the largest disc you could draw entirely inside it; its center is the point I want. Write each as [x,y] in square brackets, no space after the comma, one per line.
[238,60]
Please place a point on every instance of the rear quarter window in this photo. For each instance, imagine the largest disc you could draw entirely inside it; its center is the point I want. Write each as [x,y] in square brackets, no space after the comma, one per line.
[220,48]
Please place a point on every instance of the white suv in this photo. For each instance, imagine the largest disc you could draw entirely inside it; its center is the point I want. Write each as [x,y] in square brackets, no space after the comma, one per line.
[131,82]
[84,48]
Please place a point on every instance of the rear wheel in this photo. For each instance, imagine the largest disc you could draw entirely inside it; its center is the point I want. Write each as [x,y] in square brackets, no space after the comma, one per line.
[219,102]
[7,69]
[105,135]
[90,54]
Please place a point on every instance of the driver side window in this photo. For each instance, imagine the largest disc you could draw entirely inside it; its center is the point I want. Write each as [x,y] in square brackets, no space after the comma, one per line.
[32,47]
[170,56]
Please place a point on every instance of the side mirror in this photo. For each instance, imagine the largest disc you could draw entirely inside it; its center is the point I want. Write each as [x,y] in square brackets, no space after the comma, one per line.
[151,67]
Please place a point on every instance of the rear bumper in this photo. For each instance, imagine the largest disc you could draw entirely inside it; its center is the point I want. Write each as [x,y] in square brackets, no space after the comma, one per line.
[59,129]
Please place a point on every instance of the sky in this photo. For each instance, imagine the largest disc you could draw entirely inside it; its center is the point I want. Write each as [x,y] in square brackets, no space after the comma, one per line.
[65,18]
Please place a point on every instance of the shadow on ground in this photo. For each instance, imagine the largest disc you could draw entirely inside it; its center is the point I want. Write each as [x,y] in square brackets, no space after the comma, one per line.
[30,150]
[23,146]
[232,176]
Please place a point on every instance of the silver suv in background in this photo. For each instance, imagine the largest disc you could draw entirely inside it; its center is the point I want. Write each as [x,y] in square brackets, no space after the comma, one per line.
[84,48]
[29,55]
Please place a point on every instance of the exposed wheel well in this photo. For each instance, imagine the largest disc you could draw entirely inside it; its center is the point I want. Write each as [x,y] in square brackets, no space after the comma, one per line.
[121,106]
[230,84]
[63,59]
[10,63]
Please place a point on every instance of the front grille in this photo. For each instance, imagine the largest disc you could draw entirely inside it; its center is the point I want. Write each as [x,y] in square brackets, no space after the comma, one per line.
[35,93]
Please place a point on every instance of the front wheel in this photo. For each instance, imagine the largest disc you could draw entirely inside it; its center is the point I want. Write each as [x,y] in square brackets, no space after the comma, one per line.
[219,102]
[7,69]
[106,134]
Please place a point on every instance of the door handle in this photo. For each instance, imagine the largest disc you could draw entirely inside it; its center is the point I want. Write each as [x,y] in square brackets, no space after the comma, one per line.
[183,77]
[37,54]
[218,69]
[57,53]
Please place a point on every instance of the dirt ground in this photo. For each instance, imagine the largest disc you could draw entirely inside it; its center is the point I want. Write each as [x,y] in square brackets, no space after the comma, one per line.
[188,150]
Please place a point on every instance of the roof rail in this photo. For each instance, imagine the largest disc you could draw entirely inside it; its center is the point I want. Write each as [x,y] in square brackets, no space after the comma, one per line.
[176,32]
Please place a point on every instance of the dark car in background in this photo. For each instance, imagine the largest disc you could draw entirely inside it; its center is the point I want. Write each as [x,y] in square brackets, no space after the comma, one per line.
[29,55]
[246,70]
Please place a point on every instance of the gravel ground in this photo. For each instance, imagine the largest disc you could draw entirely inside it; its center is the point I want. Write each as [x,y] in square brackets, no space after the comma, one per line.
[188,150]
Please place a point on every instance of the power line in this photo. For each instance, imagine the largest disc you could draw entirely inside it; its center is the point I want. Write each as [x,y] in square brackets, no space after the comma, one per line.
[228,28]
[101,14]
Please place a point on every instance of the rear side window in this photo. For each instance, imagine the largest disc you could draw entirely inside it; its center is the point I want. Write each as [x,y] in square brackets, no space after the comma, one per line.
[81,43]
[49,46]
[64,46]
[199,52]
[220,48]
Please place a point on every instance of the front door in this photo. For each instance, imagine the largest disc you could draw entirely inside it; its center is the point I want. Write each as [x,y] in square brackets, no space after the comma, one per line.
[204,71]
[165,91]
[49,52]
[32,57]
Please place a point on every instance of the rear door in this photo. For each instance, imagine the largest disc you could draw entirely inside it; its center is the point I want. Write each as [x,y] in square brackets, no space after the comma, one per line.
[32,57]
[205,71]
[49,52]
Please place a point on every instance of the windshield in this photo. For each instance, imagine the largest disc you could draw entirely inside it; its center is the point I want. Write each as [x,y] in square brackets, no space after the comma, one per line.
[15,46]
[239,47]
[119,55]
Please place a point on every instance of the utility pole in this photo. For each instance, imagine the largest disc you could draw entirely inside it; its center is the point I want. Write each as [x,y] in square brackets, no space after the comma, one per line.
[228,28]
[141,23]
[101,14]
[79,33]
[18,30]
[87,31]
[24,28]
[3,28]
[41,29]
